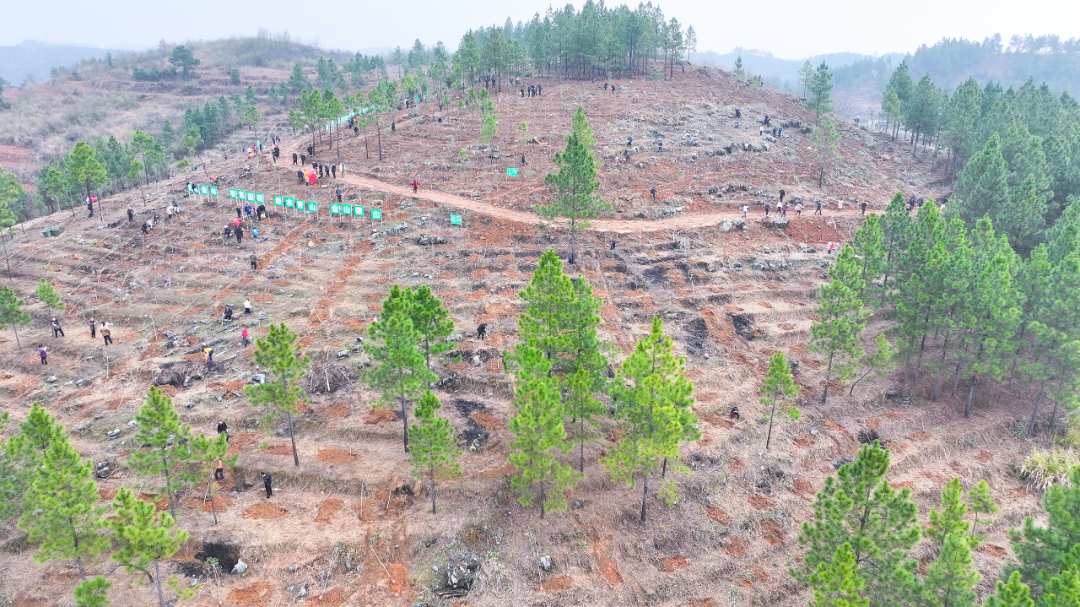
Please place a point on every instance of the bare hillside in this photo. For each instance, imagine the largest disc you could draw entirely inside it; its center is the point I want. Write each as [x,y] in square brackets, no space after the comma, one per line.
[350,526]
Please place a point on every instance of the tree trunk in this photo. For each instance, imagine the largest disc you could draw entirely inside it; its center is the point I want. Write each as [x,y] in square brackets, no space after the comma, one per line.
[581,443]
[16,330]
[378,127]
[828,372]
[663,469]
[918,361]
[644,497]
[572,239]
[157,581]
[543,498]
[292,437]
[1035,411]
[168,487]
[433,489]
[772,415]
[405,423]
[971,392]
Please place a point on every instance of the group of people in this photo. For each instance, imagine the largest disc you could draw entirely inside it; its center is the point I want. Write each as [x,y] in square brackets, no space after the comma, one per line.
[533,90]
[58,331]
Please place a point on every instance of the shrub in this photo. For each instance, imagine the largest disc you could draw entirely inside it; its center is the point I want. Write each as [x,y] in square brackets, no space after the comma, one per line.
[1045,468]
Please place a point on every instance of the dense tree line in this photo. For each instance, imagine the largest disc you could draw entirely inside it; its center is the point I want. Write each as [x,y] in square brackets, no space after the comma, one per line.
[865,543]
[595,42]
[966,306]
[1018,148]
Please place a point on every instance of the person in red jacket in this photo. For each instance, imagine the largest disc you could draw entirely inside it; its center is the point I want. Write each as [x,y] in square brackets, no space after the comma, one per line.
[415,186]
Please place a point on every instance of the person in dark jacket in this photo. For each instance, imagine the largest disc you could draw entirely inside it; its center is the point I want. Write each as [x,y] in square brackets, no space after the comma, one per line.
[57,329]
[223,428]
[268,484]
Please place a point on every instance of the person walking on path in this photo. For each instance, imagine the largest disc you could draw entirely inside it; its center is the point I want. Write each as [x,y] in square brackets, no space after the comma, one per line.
[219,472]
[56,328]
[798,208]
[93,329]
[131,215]
[782,194]
[333,171]
[415,186]
[863,205]
[43,354]
[766,209]
[745,208]
[247,307]
[268,485]
[239,233]
[222,427]
[106,334]
[244,337]
[783,210]
[294,157]
[653,193]
[254,262]
[337,192]
[817,211]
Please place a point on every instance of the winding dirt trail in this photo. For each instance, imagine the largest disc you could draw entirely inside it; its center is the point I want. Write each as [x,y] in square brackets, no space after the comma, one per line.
[615,226]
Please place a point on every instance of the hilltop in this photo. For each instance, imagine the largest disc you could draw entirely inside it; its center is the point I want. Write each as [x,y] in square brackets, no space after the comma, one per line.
[350,526]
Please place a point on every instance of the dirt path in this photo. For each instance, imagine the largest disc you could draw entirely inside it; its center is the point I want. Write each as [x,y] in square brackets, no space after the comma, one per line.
[616,226]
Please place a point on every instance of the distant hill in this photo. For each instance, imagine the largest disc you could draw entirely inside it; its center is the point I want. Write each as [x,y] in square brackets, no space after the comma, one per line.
[36,60]
[781,71]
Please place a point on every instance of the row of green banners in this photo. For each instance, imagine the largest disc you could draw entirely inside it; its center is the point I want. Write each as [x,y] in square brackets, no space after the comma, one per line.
[336,208]
[205,190]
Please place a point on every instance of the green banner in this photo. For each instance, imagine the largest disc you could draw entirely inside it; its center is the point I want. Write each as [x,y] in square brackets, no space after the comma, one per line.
[289,202]
[204,190]
[213,191]
[312,206]
[241,194]
[376,214]
[455,220]
[511,171]
[251,196]
[346,209]
[358,211]
[335,209]
[278,201]
[232,192]
[300,204]
[259,198]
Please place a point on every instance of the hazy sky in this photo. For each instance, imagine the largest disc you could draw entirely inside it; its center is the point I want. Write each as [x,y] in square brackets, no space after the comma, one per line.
[791,29]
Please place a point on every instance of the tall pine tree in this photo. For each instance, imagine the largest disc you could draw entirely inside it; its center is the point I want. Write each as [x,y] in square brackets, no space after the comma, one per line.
[280,354]
[433,450]
[841,319]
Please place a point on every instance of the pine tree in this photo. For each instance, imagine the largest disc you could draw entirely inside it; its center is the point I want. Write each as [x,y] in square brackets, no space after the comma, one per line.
[144,537]
[11,313]
[980,502]
[879,362]
[890,108]
[298,80]
[164,445]
[962,116]
[860,508]
[826,147]
[869,246]
[93,593]
[49,296]
[283,359]
[23,455]
[432,321]
[895,226]
[778,385]
[561,319]
[806,72]
[842,318]
[1013,593]
[837,583]
[951,579]
[820,101]
[575,183]
[1044,551]
[538,432]
[653,402]
[1022,219]
[84,170]
[950,521]
[62,512]
[401,375]
[433,447]
[1063,590]
[740,73]
[982,186]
